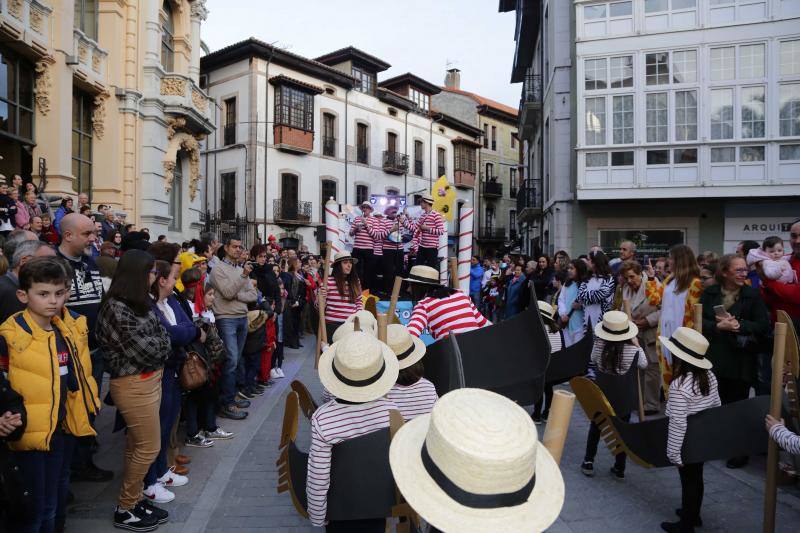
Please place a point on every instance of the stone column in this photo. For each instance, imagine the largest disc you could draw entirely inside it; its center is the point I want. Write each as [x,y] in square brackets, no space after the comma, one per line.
[199,15]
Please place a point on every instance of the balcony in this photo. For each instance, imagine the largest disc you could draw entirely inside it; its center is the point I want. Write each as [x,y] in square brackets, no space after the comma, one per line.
[393,162]
[91,59]
[329,146]
[181,96]
[229,134]
[529,200]
[26,22]
[492,189]
[530,105]
[291,212]
[294,140]
[491,233]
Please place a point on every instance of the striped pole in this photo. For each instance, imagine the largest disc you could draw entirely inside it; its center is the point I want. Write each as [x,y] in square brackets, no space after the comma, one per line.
[443,258]
[332,226]
[465,219]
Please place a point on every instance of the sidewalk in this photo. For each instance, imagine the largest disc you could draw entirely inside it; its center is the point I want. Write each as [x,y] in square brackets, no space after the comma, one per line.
[233,485]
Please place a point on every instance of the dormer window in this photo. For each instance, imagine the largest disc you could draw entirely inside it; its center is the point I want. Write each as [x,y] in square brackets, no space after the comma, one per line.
[167,37]
[419,98]
[365,80]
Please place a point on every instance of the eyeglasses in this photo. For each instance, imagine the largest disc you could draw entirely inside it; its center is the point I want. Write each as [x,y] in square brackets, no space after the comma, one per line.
[741,270]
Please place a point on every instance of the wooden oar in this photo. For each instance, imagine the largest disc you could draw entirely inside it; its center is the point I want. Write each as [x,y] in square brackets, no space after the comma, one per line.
[776,398]
[322,332]
[627,305]
[398,282]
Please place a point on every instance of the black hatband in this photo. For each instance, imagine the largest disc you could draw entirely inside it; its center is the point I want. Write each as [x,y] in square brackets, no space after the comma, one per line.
[414,277]
[617,332]
[685,349]
[359,382]
[408,352]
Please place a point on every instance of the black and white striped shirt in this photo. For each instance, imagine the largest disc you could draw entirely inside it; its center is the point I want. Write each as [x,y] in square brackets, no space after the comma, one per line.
[684,400]
[785,439]
[628,353]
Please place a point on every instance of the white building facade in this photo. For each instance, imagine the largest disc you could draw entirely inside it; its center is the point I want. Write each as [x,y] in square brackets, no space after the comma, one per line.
[335,132]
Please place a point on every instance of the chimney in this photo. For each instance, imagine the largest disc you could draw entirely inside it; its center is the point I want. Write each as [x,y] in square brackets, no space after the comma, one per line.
[452,79]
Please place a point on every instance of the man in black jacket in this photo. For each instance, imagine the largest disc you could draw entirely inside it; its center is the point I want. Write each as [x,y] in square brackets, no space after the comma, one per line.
[13,419]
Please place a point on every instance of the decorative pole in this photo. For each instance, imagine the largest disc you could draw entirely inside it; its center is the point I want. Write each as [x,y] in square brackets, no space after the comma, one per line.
[332,234]
[776,399]
[443,258]
[465,218]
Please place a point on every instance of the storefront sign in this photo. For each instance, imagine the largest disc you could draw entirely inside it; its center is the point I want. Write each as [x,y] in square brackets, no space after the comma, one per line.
[650,242]
[756,228]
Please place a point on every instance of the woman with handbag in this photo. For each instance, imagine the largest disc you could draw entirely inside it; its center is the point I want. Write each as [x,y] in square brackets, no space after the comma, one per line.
[735,322]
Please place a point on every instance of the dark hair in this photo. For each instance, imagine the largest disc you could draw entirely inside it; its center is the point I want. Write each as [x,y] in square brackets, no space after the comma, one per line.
[769,242]
[131,281]
[681,368]
[422,290]
[257,250]
[162,238]
[723,265]
[612,354]
[410,375]
[64,201]
[712,267]
[600,264]
[165,251]
[550,323]
[84,209]
[163,269]
[202,246]
[747,246]
[684,267]
[42,270]
[348,285]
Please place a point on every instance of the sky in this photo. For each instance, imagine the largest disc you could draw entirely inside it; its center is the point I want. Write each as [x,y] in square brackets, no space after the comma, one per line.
[419,36]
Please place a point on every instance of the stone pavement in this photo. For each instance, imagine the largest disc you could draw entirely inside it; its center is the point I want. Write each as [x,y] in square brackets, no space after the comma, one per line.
[233,485]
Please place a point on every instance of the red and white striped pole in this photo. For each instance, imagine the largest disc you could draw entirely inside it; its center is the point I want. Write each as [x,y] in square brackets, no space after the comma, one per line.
[465,219]
[332,234]
[443,257]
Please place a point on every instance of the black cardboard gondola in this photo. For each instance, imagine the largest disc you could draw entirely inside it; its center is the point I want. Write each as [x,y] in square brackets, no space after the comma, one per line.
[620,389]
[570,361]
[509,358]
[735,429]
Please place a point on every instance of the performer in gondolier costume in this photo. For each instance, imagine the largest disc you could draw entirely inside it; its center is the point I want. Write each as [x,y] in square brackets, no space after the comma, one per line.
[388,232]
[363,245]
[412,394]
[343,293]
[439,308]
[430,226]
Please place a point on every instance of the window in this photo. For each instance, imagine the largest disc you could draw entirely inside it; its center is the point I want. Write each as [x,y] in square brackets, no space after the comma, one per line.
[723,63]
[365,80]
[512,221]
[362,153]
[594,73]
[686,116]
[654,6]
[657,116]
[597,159]
[748,154]
[167,37]
[176,195]
[327,191]
[752,112]
[489,218]
[441,158]
[328,135]
[494,137]
[391,142]
[722,114]
[86,17]
[623,119]
[621,72]
[16,96]
[722,11]
[658,157]
[513,140]
[790,58]
[362,194]
[751,61]
[512,180]
[294,108]
[421,99]
[82,142]
[596,121]
[789,152]
[594,12]
[657,68]
[227,191]
[418,157]
[789,114]
[489,176]
[723,154]
[607,18]
[684,66]
[684,156]
[486,136]
[229,133]
[464,158]
[622,159]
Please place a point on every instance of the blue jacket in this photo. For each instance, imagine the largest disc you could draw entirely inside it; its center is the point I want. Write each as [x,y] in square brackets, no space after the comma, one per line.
[513,292]
[61,212]
[181,334]
[475,277]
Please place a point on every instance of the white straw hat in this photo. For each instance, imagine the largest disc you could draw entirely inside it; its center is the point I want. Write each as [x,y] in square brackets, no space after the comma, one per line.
[689,345]
[615,326]
[546,310]
[469,465]
[344,256]
[408,348]
[423,274]
[346,328]
[358,368]
[427,198]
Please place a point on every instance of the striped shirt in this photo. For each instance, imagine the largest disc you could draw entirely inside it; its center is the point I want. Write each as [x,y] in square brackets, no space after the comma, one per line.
[454,313]
[684,400]
[337,305]
[331,424]
[435,227]
[413,400]
[362,240]
[555,341]
[628,353]
[785,438]
[381,232]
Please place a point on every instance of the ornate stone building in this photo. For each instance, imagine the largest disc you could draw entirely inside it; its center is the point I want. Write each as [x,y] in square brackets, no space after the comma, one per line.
[103,97]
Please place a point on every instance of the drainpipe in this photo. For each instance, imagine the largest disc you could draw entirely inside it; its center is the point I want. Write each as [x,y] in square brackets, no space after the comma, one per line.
[266,142]
[405,174]
[430,145]
[346,127]
[541,129]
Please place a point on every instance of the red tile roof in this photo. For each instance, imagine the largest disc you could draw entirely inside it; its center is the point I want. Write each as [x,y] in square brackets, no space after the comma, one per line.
[481,100]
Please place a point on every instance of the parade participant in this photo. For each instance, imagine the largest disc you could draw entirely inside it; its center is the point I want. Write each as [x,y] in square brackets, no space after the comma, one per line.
[430,225]
[412,394]
[388,232]
[676,297]
[614,351]
[343,293]
[475,464]
[438,308]
[596,295]
[358,371]
[363,245]
[556,337]
[572,320]
[372,270]
[693,389]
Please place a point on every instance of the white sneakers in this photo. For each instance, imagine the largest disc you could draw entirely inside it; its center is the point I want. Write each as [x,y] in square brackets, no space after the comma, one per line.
[158,494]
[276,373]
[171,479]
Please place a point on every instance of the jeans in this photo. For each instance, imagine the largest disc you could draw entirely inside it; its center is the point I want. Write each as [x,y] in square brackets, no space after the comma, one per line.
[251,365]
[82,457]
[168,417]
[545,401]
[200,410]
[233,332]
[691,491]
[46,476]
[594,438]
[476,298]
[428,257]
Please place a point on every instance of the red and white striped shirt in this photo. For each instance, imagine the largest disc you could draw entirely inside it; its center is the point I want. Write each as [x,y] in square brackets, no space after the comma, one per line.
[363,240]
[337,305]
[435,227]
[454,313]
[331,424]
[413,400]
[381,232]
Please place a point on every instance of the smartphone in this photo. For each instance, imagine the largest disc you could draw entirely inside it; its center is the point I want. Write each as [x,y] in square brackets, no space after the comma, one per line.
[719,310]
[646,260]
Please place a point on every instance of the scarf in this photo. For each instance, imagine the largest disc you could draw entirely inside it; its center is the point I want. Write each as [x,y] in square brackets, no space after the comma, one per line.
[199,298]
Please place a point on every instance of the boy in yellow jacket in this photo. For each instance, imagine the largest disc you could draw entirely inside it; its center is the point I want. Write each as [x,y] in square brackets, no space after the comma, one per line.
[48,364]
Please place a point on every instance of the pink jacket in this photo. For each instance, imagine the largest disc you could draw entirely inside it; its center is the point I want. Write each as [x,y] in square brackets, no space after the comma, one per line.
[22,218]
[778,270]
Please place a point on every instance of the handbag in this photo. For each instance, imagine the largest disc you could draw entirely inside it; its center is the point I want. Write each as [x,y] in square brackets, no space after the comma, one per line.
[194,373]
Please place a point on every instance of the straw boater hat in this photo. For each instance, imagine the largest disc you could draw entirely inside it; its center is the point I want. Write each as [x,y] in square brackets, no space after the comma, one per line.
[346,328]
[547,311]
[363,205]
[427,198]
[423,274]
[358,368]
[689,345]
[615,326]
[408,348]
[344,256]
[475,464]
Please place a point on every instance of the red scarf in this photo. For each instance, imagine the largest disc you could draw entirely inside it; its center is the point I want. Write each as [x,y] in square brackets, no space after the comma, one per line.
[199,295]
